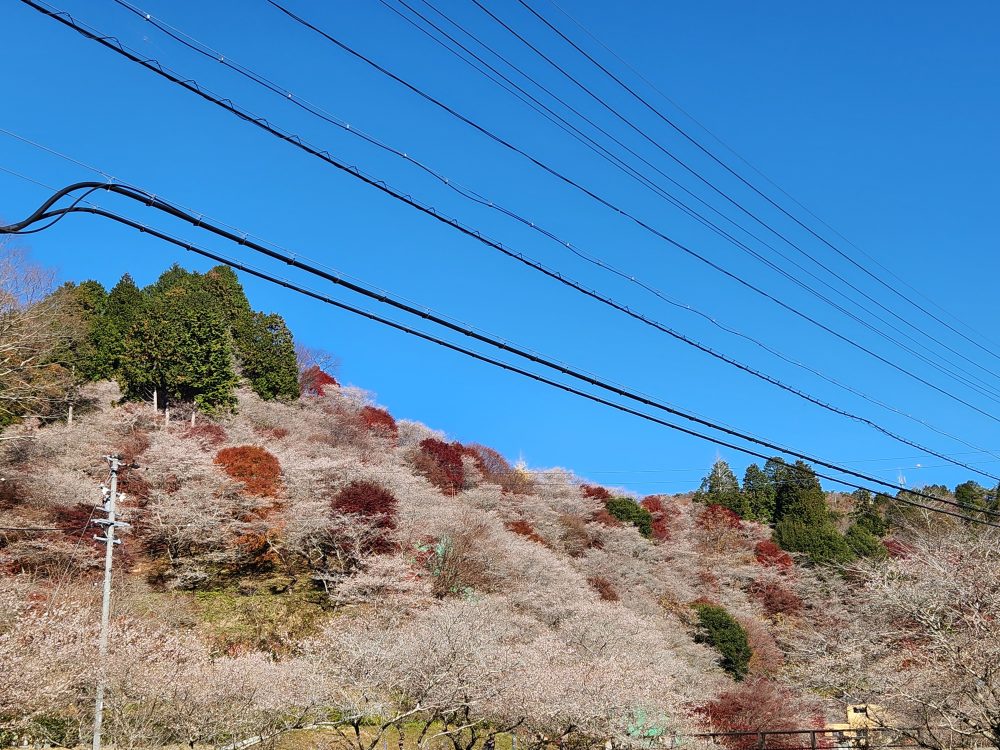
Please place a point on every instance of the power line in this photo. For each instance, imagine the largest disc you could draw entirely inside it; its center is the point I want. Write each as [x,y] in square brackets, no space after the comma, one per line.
[46,212]
[192,86]
[33,528]
[617,162]
[639,222]
[688,137]
[205,50]
[729,198]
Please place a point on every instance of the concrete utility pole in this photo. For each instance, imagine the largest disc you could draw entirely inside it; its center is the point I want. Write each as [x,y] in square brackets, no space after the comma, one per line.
[110,523]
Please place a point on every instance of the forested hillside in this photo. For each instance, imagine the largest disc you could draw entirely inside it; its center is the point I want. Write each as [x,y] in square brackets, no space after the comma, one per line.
[299,556]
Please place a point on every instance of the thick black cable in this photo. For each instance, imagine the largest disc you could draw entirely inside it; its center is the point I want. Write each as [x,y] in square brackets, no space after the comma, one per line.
[512,368]
[206,51]
[45,211]
[143,196]
[622,211]
[730,199]
[623,166]
[692,140]
[192,86]
[715,136]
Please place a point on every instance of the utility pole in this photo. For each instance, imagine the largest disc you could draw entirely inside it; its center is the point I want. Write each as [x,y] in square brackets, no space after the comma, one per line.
[110,523]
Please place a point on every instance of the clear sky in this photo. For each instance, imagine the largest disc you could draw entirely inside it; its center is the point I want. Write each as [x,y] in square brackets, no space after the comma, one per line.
[880,117]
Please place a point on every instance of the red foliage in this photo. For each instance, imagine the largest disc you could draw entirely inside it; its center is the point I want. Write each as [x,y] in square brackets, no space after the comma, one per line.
[604,518]
[897,549]
[75,520]
[275,433]
[523,528]
[208,434]
[760,704]
[770,555]
[717,518]
[661,516]
[775,598]
[374,503]
[604,588]
[654,504]
[442,464]
[256,468]
[313,381]
[595,492]
[379,421]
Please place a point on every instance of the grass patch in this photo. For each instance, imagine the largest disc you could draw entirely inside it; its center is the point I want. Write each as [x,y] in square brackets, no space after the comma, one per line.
[260,615]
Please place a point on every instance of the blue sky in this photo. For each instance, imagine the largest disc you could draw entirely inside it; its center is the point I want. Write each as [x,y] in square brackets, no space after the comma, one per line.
[880,118]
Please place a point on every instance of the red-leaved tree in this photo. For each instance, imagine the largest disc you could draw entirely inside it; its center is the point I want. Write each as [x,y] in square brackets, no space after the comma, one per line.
[379,421]
[441,464]
[255,467]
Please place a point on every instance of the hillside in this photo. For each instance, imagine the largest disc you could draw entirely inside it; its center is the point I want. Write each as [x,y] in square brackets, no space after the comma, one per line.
[303,560]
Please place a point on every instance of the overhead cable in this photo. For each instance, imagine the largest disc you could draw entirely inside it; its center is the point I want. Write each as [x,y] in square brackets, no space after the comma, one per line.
[701,147]
[192,86]
[47,211]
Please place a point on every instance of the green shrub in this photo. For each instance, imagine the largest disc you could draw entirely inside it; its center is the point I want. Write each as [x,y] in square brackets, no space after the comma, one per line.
[722,632]
[864,543]
[627,510]
[822,542]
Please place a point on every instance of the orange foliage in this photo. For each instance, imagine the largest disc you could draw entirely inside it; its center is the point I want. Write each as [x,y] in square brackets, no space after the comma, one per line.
[604,588]
[523,528]
[255,467]
[595,492]
[313,382]
[770,555]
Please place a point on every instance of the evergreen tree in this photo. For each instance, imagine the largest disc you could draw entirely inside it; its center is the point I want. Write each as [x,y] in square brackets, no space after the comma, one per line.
[759,493]
[971,496]
[267,355]
[721,487]
[822,542]
[866,513]
[864,543]
[803,519]
[81,307]
[124,308]
[799,495]
[181,348]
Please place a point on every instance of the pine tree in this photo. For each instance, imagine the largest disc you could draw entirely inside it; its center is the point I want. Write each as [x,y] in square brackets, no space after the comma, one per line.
[124,307]
[181,348]
[759,493]
[267,355]
[803,522]
[721,487]
[971,496]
